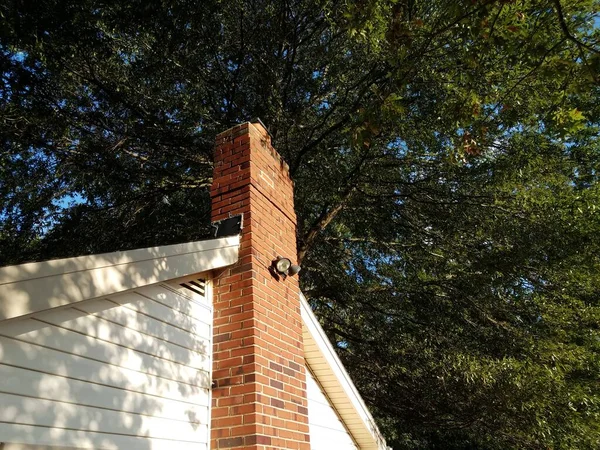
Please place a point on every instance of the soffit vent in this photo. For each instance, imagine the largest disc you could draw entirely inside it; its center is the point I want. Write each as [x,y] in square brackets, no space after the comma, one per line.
[197,286]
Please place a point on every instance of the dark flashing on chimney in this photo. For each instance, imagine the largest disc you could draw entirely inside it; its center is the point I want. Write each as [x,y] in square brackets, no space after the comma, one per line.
[232,226]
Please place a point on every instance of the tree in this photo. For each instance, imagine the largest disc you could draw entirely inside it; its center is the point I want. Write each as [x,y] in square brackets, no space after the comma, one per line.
[445,155]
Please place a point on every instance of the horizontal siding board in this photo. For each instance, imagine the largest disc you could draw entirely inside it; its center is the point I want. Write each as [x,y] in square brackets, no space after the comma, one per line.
[15,380]
[129,318]
[27,434]
[17,328]
[324,439]
[26,355]
[49,413]
[89,347]
[320,412]
[129,372]
[149,307]
[12,446]
[180,302]
[93,326]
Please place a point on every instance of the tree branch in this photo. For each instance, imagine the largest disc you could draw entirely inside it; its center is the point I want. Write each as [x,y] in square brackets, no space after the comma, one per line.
[565,28]
[321,223]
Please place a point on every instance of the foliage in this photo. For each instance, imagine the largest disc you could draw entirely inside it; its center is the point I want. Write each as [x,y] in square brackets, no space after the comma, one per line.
[446,160]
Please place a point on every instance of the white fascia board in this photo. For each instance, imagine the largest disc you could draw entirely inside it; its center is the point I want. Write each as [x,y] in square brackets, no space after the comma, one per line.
[325,363]
[34,287]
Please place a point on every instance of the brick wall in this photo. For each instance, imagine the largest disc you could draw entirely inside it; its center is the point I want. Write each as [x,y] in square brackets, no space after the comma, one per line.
[259,398]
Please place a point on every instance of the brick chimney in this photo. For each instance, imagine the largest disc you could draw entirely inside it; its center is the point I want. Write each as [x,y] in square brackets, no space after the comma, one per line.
[259,395]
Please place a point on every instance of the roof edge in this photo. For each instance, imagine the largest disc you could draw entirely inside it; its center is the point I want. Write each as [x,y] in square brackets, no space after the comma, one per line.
[33,287]
[326,364]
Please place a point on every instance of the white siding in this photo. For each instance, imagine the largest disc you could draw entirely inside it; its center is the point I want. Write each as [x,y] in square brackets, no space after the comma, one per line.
[131,371]
[325,427]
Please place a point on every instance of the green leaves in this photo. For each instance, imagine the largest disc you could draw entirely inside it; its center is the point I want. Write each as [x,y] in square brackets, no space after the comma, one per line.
[570,121]
[445,155]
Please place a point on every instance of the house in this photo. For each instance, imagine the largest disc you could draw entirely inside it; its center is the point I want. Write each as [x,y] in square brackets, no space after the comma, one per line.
[184,346]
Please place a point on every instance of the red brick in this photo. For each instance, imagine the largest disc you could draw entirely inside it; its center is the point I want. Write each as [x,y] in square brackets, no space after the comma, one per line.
[230,421]
[231,442]
[257,328]
[245,430]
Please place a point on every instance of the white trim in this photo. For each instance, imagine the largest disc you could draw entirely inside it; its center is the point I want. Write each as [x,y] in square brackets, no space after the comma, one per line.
[33,287]
[326,365]
[11,446]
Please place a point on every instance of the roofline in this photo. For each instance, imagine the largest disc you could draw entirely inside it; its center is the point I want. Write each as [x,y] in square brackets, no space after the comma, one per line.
[337,384]
[29,288]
